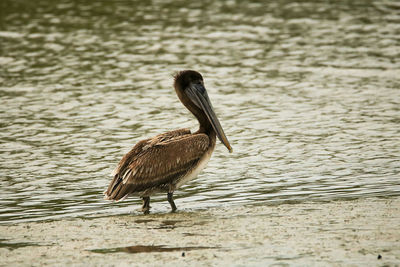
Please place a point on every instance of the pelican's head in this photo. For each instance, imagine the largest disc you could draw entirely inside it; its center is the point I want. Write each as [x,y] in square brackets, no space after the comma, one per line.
[189,87]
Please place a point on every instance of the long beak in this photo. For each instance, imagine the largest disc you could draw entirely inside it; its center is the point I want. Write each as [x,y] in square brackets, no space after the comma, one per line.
[199,96]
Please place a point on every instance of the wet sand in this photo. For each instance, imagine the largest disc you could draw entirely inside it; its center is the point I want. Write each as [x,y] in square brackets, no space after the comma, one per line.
[350,233]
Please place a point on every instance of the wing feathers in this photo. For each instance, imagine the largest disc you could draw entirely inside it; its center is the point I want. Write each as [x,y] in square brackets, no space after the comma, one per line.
[157,161]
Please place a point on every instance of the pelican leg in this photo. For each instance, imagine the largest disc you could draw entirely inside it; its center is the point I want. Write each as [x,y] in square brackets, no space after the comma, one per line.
[171,201]
[146,205]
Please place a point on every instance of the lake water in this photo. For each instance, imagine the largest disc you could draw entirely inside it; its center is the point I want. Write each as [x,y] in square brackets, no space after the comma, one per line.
[308,93]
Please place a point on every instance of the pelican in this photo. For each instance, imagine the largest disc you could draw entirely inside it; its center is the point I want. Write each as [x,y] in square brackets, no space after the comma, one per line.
[167,161]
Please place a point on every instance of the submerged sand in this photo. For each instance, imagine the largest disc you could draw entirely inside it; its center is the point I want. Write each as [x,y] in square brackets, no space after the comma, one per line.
[358,232]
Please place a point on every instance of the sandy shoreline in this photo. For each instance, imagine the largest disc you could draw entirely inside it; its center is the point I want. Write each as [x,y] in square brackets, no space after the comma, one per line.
[336,233]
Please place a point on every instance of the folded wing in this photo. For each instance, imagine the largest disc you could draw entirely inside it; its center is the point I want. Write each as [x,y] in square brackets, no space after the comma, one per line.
[157,161]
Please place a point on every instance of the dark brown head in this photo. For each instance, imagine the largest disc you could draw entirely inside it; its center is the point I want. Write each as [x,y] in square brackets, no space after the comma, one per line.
[184,78]
[189,87]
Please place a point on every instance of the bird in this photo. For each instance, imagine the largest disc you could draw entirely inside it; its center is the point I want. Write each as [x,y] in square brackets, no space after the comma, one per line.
[165,162]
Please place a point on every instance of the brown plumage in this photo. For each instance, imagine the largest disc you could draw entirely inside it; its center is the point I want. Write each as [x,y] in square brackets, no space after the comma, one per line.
[165,162]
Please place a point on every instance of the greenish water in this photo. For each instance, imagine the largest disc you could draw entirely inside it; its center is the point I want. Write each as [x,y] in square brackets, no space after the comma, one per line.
[307,92]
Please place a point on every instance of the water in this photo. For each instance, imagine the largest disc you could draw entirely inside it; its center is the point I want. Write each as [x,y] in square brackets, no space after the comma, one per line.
[307,92]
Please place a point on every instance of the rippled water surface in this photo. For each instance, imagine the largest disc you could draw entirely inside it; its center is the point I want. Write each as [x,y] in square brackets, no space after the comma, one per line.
[307,92]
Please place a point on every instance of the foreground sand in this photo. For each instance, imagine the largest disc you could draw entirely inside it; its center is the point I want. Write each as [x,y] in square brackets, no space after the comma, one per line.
[336,233]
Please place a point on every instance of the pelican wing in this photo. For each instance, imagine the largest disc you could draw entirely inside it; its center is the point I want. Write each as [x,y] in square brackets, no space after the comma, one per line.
[156,161]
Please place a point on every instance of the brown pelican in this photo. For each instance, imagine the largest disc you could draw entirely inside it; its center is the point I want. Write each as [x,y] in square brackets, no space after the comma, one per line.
[169,160]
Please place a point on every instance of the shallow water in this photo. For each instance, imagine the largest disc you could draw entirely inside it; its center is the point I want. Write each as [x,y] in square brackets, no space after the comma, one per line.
[307,92]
